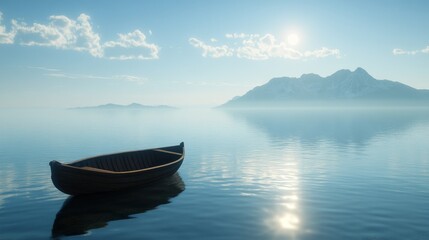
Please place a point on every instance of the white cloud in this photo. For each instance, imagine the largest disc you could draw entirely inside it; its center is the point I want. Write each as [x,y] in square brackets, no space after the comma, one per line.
[131,57]
[135,39]
[211,51]
[241,35]
[45,69]
[399,51]
[256,47]
[61,32]
[62,75]
[6,37]
[57,73]
[130,78]
[259,47]
[323,52]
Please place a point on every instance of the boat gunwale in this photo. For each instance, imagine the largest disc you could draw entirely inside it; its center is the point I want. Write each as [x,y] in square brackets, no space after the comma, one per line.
[105,171]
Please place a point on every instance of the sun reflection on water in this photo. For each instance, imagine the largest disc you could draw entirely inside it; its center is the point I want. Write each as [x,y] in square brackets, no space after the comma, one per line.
[285,217]
[288,217]
[289,221]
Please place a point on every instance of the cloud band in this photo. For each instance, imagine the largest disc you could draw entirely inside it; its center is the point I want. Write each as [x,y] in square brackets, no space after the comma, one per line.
[62,32]
[258,47]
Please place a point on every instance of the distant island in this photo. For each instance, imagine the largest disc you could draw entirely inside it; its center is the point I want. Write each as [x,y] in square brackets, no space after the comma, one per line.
[343,88]
[129,106]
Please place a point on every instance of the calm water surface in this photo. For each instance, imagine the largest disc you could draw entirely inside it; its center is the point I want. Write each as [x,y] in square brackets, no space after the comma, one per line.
[290,174]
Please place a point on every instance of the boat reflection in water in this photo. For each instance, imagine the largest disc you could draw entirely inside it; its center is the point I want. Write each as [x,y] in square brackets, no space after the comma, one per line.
[82,213]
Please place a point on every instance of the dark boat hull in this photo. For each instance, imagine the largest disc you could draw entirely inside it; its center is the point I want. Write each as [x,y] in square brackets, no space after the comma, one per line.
[125,171]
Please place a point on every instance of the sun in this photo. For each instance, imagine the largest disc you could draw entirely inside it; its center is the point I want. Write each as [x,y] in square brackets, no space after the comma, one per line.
[293,39]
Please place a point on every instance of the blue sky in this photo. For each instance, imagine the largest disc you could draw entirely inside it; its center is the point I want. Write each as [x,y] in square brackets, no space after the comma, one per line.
[198,53]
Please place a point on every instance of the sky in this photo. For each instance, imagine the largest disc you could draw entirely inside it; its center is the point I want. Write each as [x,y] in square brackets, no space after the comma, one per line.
[198,53]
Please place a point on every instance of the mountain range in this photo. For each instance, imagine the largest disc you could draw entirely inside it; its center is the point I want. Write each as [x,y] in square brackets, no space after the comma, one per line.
[342,87]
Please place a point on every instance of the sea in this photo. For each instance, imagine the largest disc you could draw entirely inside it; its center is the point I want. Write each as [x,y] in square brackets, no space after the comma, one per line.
[322,173]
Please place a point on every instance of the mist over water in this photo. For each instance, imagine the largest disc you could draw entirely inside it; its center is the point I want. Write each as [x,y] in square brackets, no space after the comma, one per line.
[247,174]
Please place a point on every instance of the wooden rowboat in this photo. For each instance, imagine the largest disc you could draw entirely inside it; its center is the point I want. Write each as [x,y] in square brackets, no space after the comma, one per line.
[116,171]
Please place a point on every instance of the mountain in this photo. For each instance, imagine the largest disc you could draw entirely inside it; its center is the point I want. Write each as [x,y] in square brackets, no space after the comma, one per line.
[129,106]
[342,87]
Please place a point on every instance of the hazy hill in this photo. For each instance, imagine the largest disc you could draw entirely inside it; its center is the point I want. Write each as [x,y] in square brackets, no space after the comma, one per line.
[129,106]
[342,87]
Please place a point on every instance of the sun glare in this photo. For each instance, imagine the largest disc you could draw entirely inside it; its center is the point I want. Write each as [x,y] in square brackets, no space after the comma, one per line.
[292,39]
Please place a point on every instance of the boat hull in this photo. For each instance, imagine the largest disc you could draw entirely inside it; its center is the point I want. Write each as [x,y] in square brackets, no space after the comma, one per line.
[74,180]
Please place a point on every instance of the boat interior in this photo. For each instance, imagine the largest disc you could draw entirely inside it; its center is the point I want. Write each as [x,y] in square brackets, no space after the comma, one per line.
[129,161]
